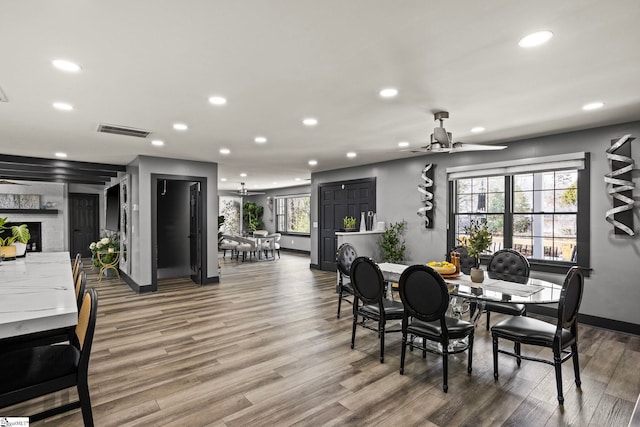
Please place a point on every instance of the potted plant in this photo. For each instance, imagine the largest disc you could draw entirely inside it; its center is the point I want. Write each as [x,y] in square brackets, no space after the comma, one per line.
[6,250]
[252,215]
[22,236]
[477,241]
[392,243]
[349,223]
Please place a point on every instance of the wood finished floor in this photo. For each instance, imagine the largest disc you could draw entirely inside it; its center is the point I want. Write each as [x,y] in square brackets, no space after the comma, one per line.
[264,348]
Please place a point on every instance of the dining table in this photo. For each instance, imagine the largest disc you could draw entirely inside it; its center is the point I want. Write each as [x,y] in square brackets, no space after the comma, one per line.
[37,297]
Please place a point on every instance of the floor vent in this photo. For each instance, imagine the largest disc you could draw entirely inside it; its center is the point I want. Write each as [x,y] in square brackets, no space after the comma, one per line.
[123,130]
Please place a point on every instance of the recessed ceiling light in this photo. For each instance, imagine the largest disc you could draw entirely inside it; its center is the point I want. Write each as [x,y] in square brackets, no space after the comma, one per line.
[351,154]
[313,162]
[593,106]
[535,39]
[244,175]
[388,92]
[477,129]
[60,154]
[310,121]
[157,143]
[225,151]
[65,65]
[180,126]
[217,100]
[62,106]
[260,139]
[223,179]
[403,144]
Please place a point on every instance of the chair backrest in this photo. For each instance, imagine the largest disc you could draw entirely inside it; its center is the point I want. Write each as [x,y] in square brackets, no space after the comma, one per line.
[367,280]
[81,282]
[509,262]
[570,299]
[77,266]
[83,338]
[344,257]
[424,293]
[467,262]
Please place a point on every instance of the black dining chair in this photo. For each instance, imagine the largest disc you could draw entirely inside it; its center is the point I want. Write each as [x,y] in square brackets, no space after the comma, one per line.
[368,287]
[509,265]
[38,371]
[559,337]
[344,258]
[80,284]
[425,297]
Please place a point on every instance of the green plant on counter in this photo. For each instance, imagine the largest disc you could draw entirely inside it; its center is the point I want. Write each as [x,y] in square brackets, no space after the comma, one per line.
[392,243]
[349,222]
[8,240]
[21,233]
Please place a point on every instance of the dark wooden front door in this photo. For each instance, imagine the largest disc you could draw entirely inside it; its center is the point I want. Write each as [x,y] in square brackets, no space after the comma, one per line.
[83,222]
[337,200]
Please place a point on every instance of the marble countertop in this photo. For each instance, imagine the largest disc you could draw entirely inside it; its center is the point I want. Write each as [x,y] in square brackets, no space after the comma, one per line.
[36,294]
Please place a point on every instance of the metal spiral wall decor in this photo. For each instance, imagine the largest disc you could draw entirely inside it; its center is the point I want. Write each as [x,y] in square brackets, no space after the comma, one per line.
[426,196]
[621,185]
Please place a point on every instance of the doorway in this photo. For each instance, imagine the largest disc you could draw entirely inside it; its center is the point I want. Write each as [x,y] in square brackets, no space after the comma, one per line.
[178,230]
[84,227]
[337,200]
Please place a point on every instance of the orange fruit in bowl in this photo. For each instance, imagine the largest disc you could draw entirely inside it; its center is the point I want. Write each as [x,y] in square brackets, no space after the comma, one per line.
[442,267]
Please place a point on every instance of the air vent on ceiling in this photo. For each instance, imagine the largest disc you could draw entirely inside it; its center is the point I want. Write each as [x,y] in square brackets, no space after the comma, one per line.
[123,130]
[3,97]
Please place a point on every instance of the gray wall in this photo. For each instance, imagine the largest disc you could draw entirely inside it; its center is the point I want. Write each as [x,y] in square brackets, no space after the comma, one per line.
[611,292]
[299,243]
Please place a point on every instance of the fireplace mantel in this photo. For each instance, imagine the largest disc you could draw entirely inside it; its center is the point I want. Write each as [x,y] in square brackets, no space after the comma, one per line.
[30,211]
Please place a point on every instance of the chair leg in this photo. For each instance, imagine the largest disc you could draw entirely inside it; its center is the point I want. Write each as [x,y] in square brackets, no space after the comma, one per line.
[557,364]
[339,303]
[488,319]
[445,367]
[495,358]
[517,350]
[576,364]
[403,352]
[381,329]
[470,351]
[85,402]
[353,332]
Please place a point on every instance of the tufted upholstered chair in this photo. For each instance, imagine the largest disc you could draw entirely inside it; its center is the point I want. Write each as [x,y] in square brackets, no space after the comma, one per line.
[509,265]
[466,262]
[344,257]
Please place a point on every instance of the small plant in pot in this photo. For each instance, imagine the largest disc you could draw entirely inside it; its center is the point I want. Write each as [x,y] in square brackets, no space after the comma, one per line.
[22,236]
[349,223]
[477,240]
[7,251]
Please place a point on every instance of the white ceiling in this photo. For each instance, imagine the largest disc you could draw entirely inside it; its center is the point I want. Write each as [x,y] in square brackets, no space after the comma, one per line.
[149,63]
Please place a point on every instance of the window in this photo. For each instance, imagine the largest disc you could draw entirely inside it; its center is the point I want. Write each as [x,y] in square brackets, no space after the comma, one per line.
[292,214]
[535,212]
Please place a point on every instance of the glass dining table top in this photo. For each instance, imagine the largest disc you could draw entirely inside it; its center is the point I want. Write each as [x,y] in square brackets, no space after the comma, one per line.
[495,287]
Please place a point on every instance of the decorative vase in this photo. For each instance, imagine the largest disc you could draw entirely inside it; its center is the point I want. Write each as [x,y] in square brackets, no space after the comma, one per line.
[8,252]
[477,275]
[363,225]
[21,248]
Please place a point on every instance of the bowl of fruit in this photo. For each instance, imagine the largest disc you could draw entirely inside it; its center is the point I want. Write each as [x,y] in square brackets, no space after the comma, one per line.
[442,267]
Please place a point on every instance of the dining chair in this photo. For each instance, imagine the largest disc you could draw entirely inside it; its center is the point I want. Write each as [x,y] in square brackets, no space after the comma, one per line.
[510,265]
[80,284]
[467,262]
[38,371]
[558,337]
[77,266]
[344,258]
[425,297]
[227,244]
[368,287]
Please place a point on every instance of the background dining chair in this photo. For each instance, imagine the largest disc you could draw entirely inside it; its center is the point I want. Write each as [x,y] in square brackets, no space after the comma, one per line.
[227,244]
[558,337]
[77,266]
[368,287]
[344,258]
[467,262]
[80,284]
[38,371]
[510,265]
[425,297]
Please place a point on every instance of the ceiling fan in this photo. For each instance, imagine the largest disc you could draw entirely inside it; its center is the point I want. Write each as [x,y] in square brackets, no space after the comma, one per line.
[442,142]
[244,192]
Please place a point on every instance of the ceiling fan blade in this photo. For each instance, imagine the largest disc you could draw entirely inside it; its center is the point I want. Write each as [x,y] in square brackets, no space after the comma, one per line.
[460,147]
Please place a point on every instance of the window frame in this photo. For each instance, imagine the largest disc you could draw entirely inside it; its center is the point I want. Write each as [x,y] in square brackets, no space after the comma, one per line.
[582,219]
[284,198]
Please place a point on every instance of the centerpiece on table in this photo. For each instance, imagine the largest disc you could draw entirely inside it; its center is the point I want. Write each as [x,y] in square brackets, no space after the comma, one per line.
[477,241]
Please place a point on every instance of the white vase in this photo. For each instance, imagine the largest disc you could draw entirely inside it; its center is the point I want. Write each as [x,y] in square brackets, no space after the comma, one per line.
[477,275]
[363,225]
[21,248]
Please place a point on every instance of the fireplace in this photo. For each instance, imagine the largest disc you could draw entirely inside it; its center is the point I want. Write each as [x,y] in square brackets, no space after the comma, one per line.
[35,229]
